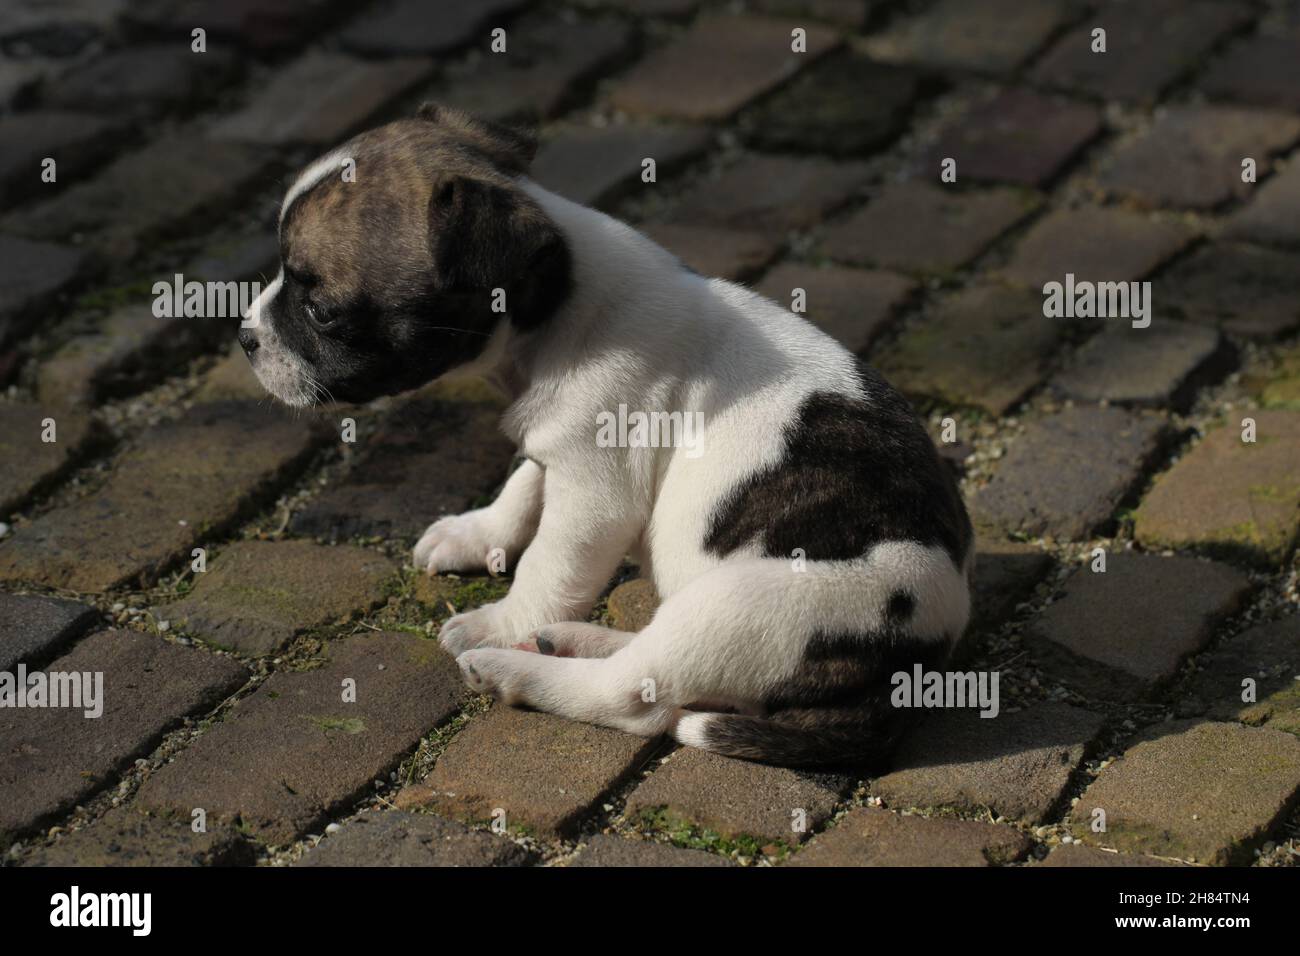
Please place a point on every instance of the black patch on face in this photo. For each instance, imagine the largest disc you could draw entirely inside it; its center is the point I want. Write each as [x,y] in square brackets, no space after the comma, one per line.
[836,709]
[360,350]
[393,336]
[485,237]
[857,470]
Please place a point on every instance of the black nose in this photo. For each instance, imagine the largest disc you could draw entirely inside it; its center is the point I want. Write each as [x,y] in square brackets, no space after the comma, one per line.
[247,341]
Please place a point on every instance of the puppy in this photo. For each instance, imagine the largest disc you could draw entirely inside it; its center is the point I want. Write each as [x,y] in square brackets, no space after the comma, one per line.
[807,545]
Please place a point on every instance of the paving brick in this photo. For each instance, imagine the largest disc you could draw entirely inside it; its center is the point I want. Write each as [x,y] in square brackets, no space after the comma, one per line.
[413,839]
[986,346]
[257,595]
[1096,245]
[594,165]
[1258,70]
[246,255]
[231,378]
[1206,792]
[29,465]
[265,26]
[632,604]
[1165,364]
[76,141]
[30,274]
[871,837]
[145,79]
[1006,573]
[1018,137]
[432,457]
[823,109]
[1148,46]
[1087,636]
[605,850]
[1072,854]
[24,20]
[770,194]
[734,254]
[1273,214]
[548,63]
[179,484]
[853,305]
[126,837]
[918,227]
[737,798]
[1192,155]
[1237,498]
[1244,290]
[33,628]
[293,752]
[853,14]
[319,98]
[20,76]
[1275,381]
[646,8]
[717,66]
[546,773]
[1267,654]
[994,36]
[143,193]
[414,26]
[1015,764]
[1069,471]
[51,758]
[129,349]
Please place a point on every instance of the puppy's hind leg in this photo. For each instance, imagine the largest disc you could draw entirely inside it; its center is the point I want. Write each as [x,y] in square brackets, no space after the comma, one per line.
[806,658]
[467,542]
[608,691]
[701,645]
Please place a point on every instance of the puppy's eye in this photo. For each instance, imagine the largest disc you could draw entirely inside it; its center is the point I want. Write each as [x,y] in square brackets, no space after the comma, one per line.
[318,316]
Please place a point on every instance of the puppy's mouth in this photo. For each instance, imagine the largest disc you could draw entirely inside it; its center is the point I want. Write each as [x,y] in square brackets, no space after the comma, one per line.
[284,375]
[288,382]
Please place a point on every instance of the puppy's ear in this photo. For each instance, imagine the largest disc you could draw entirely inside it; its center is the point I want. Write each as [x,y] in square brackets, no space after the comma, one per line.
[511,150]
[484,237]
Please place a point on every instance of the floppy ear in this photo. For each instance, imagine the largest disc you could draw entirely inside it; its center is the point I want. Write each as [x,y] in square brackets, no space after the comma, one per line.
[512,150]
[484,237]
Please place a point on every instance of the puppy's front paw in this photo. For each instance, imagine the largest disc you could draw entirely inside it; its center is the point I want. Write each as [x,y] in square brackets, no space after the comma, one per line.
[495,671]
[472,629]
[459,543]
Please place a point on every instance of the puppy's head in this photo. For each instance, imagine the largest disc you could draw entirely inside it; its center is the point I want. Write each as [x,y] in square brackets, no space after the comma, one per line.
[392,251]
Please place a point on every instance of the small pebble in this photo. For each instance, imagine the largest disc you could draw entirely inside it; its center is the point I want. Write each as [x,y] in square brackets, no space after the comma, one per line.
[333,828]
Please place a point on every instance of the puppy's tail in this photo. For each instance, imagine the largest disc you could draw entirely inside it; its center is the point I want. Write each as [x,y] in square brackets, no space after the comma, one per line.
[815,737]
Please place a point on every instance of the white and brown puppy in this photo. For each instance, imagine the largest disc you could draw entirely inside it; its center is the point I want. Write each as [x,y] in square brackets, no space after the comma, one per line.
[811,546]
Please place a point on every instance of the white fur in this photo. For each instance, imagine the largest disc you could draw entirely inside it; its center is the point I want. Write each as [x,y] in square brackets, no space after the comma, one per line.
[639,329]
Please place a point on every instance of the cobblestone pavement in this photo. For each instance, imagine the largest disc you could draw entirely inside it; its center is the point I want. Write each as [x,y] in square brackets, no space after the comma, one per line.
[233,568]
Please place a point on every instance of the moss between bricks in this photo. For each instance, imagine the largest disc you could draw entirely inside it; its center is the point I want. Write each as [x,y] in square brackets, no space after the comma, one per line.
[683,833]
[349,725]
